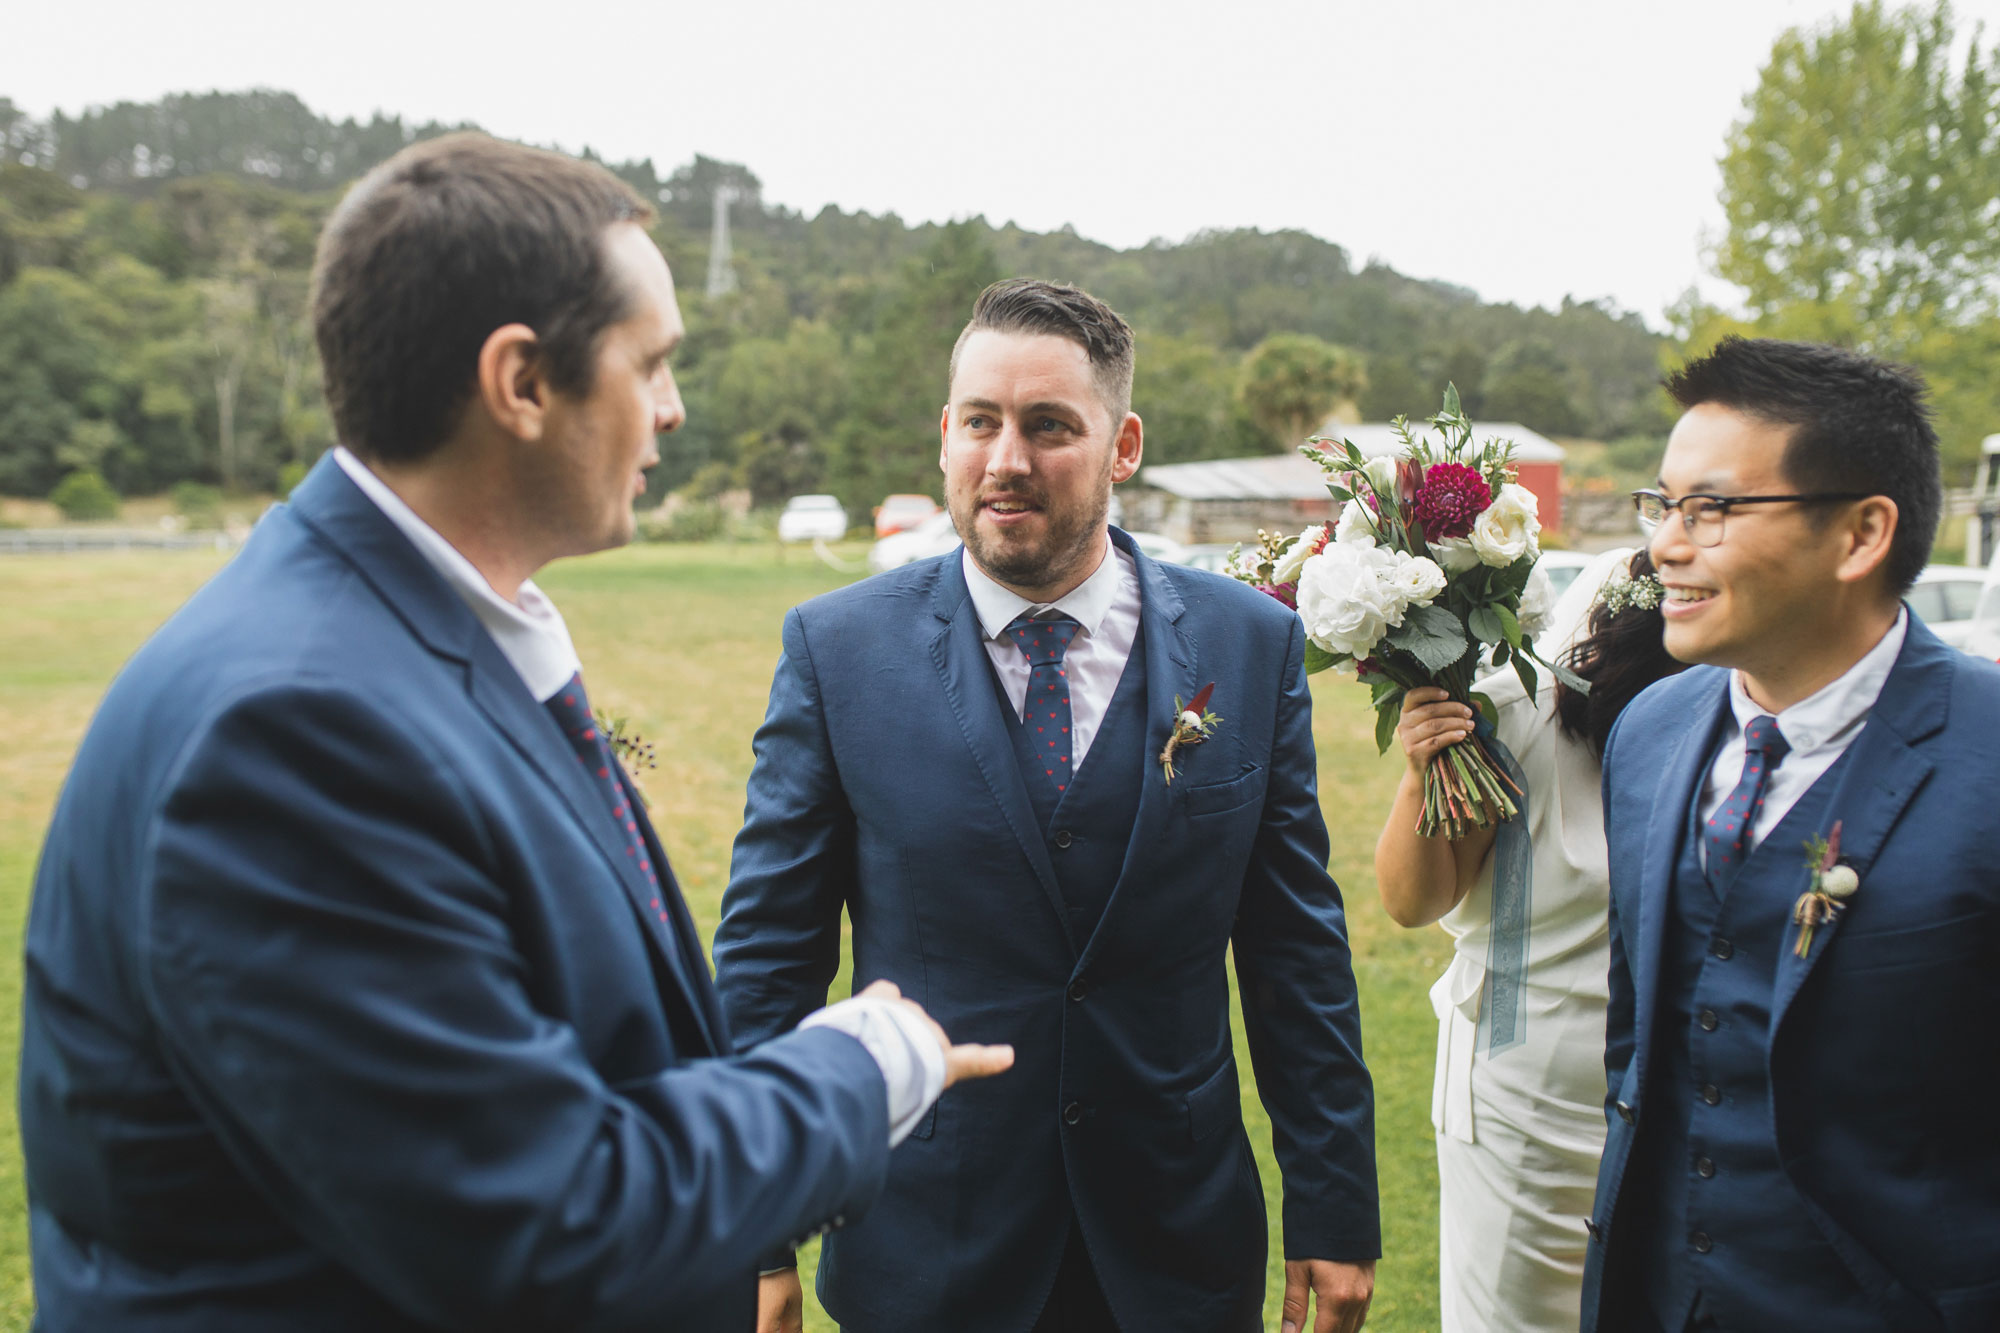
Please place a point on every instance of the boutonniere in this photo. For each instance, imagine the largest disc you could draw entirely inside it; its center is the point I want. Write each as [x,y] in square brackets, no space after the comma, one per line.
[632,749]
[1832,885]
[1192,725]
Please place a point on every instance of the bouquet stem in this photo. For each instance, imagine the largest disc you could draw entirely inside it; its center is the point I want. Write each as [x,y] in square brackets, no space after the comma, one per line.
[1463,790]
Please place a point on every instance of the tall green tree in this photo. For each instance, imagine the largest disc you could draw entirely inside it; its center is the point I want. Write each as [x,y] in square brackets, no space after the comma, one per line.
[1292,382]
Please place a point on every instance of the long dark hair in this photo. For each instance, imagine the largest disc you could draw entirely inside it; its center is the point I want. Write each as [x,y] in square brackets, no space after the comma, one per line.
[1621,655]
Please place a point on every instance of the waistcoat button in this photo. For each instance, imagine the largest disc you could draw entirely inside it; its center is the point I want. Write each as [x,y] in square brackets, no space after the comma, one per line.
[1711,1094]
[1702,1244]
[1063,838]
[1705,1168]
[1072,1113]
[1722,949]
[1709,1022]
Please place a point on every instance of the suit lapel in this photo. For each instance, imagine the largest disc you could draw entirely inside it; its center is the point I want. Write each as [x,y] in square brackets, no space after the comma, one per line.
[1884,770]
[1680,787]
[332,505]
[686,951]
[1170,669]
[958,650]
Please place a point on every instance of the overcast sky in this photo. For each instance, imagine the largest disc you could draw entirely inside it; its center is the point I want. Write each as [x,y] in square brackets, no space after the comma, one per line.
[1528,150]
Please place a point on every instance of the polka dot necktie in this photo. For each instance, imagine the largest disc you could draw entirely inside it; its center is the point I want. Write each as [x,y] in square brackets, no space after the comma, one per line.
[1729,832]
[570,707]
[1043,642]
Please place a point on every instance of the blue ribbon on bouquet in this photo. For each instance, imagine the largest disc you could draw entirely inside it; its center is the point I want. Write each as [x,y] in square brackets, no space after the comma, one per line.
[1513,907]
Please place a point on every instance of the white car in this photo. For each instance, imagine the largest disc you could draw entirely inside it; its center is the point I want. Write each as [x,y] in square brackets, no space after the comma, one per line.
[812,518]
[1947,597]
[1562,567]
[1981,635]
[934,536]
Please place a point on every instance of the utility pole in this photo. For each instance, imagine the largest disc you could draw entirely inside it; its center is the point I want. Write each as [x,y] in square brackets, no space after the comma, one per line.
[721,273]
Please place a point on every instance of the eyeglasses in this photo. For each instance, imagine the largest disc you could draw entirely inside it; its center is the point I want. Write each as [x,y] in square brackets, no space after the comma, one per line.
[1703,515]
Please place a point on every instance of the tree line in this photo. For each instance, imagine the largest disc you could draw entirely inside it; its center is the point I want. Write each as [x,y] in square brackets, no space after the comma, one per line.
[154,265]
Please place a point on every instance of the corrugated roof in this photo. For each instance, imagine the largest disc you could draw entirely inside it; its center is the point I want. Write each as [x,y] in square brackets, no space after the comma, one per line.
[1293,476]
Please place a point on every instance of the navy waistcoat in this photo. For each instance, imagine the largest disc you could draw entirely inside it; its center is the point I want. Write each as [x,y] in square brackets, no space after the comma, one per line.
[1723,1219]
[1089,826]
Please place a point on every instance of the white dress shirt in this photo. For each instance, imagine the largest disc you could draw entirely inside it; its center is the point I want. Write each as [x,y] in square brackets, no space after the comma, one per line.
[1818,729]
[531,635]
[1107,606]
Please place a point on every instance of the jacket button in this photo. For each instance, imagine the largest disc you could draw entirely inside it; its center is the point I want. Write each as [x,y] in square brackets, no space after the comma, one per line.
[1625,1112]
[1596,1231]
[1076,990]
[1063,838]
[1705,1168]
[1709,1022]
[1722,949]
[1702,1244]
[1072,1113]
[1711,1094]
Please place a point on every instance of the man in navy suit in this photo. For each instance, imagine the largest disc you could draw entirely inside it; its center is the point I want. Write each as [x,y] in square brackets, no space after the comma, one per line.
[1800,1131]
[966,756]
[359,991]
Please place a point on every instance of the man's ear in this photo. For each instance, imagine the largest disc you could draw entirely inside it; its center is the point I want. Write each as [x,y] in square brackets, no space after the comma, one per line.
[1866,537]
[512,390]
[1131,446]
[944,439]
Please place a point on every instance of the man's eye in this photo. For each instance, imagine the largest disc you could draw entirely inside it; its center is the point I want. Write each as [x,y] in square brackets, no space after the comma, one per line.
[1049,425]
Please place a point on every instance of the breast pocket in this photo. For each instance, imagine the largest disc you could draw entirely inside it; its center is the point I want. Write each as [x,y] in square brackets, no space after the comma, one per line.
[1216,798]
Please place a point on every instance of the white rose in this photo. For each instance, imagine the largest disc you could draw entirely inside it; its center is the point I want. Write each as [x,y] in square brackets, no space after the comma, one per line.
[1292,561]
[1415,580]
[1356,526]
[1455,554]
[1343,600]
[1507,530]
[1381,474]
[1537,600]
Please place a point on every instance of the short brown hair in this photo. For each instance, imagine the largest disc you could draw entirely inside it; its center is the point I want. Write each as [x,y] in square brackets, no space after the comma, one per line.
[1032,306]
[433,250]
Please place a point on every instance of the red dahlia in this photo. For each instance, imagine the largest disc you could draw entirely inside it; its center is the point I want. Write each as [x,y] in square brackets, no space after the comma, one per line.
[1452,496]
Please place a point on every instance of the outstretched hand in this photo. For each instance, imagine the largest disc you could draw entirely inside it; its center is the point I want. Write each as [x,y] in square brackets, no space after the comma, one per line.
[961,1062]
[1341,1293]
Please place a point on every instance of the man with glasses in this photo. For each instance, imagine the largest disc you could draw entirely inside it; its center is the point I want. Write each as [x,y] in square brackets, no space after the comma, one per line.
[1800,1064]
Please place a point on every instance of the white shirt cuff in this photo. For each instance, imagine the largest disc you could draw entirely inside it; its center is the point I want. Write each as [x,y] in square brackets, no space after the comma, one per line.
[904,1048]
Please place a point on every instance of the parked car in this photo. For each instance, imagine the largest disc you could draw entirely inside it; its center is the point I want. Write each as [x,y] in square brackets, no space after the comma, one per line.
[898,513]
[933,536]
[812,518]
[1562,567]
[1948,599]
[1159,547]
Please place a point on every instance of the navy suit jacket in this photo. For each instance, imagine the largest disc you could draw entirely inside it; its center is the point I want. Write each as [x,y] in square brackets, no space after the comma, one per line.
[1884,1048]
[346,1009]
[885,783]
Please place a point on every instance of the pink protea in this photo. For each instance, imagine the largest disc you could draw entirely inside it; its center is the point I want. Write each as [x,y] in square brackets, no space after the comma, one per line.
[1453,495]
[1288,593]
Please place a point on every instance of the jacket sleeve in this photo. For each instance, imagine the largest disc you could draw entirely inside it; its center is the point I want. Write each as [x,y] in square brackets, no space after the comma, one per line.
[778,945]
[1300,1011]
[326,952]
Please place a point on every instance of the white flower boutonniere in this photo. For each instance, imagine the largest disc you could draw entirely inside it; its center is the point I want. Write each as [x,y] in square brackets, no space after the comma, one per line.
[1192,725]
[1833,883]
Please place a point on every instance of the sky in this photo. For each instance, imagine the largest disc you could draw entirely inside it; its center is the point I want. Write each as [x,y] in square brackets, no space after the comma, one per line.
[1528,150]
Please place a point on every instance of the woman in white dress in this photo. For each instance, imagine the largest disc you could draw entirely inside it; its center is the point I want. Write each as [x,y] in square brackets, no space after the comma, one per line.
[1519,1112]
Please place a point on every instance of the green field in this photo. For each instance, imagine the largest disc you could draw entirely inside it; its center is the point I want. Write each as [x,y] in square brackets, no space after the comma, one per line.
[682,641]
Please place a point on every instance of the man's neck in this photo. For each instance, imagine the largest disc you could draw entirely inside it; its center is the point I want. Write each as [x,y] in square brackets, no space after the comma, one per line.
[1047,593]
[1797,671]
[469,509]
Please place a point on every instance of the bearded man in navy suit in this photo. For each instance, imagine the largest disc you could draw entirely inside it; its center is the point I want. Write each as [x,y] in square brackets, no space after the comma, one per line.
[1802,1067]
[966,755]
[359,991]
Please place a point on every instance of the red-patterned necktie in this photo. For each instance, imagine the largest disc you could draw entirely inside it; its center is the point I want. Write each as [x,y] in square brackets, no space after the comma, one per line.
[1047,717]
[1728,834]
[570,707]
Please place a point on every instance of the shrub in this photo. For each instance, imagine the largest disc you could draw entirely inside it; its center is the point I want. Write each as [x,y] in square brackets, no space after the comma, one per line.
[697,521]
[85,494]
[200,505]
[289,477]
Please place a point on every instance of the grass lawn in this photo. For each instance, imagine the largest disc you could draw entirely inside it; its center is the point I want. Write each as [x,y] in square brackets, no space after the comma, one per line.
[682,640]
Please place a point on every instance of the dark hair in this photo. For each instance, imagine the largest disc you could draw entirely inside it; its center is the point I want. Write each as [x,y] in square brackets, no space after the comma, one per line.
[1032,306]
[1858,424]
[433,250]
[1621,654]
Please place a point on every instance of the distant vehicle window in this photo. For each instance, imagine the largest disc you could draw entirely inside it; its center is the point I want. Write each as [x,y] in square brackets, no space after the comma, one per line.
[815,502]
[1927,600]
[1961,599]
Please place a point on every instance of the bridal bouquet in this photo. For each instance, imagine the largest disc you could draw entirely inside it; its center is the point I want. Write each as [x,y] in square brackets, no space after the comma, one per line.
[1423,572]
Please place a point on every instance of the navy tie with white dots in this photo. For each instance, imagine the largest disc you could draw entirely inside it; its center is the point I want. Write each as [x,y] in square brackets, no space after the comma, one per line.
[570,707]
[1764,748]
[1043,640]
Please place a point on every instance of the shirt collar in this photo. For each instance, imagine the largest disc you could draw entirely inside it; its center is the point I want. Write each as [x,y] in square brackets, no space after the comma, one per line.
[1831,714]
[530,631]
[1087,603]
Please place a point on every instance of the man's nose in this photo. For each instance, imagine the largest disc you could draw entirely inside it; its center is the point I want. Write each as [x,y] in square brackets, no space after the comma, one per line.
[1670,544]
[1009,456]
[669,413]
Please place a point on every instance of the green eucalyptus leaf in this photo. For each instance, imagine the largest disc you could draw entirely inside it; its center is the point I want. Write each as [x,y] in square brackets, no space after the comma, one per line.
[1510,624]
[1484,622]
[1387,714]
[1430,634]
[1526,671]
[1319,659]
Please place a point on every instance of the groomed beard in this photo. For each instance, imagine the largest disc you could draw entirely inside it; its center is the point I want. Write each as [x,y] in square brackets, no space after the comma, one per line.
[1071,536]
